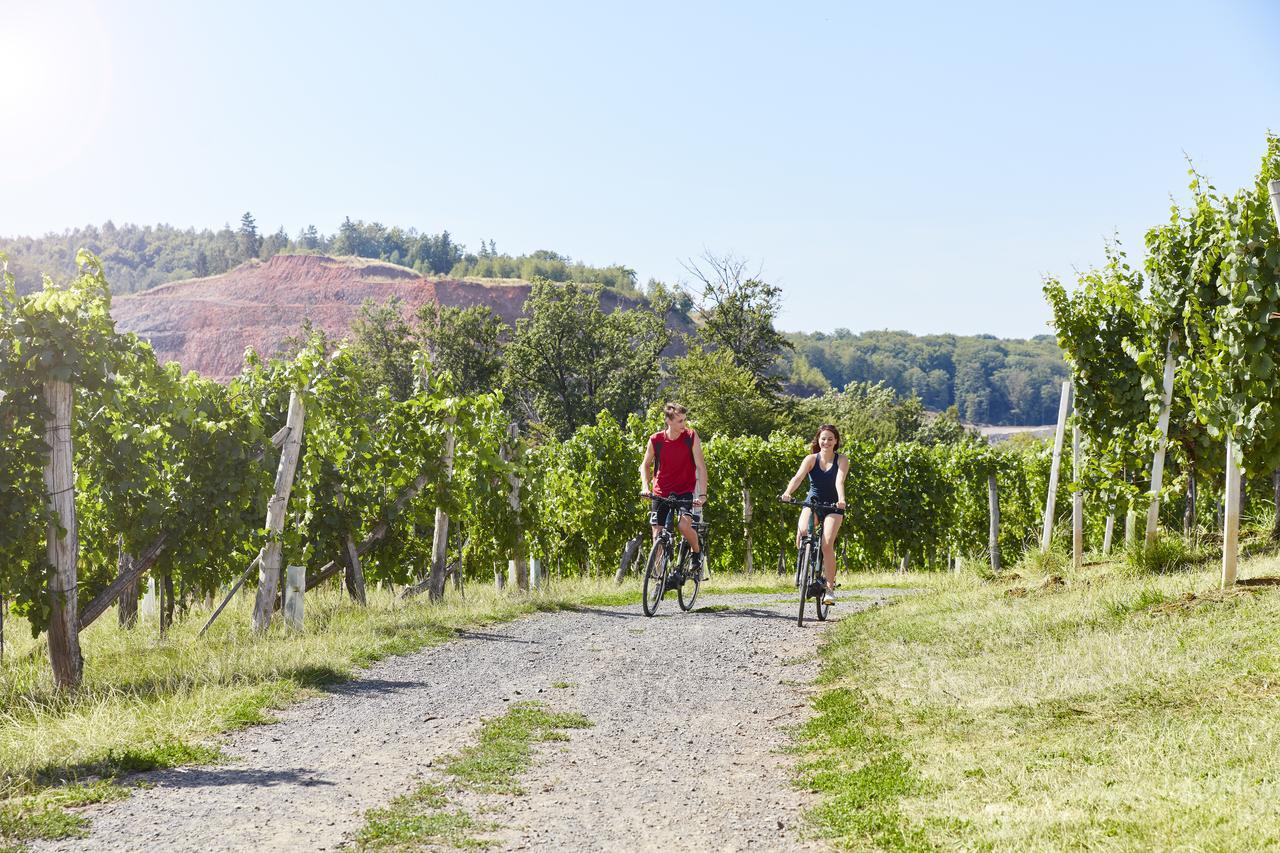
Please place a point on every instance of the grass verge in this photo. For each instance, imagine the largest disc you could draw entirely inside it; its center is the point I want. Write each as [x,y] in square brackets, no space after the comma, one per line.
[1102,711]
[503,751]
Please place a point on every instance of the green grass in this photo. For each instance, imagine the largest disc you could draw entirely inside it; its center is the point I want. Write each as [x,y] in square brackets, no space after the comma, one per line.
[45,816]
[504,747]
[418,819]
[1109,712]
[503,750]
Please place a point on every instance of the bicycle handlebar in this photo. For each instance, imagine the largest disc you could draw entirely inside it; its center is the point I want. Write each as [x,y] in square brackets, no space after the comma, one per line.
[814,505]
[666,500]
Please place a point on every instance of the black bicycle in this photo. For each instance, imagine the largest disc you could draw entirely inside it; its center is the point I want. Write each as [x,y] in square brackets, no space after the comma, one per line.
[668,565]
[809,578]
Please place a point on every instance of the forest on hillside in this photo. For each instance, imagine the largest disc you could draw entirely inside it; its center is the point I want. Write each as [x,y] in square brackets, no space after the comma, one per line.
[987,379]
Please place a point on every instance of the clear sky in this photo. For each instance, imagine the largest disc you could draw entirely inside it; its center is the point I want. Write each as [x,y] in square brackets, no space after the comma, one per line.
[915,166]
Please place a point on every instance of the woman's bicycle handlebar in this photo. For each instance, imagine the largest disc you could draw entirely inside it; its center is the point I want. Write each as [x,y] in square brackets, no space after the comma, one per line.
[814,505]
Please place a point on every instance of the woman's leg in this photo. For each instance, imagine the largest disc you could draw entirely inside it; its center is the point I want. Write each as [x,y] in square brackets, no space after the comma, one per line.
[830,527]
[803,527]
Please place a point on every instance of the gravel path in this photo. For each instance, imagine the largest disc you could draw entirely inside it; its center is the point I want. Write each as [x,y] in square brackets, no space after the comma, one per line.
[689,710]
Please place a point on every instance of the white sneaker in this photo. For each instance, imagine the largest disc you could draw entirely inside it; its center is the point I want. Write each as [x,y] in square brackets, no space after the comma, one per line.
[828,598]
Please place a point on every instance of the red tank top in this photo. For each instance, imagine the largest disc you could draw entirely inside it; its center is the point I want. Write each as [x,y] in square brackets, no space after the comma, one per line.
[674,461]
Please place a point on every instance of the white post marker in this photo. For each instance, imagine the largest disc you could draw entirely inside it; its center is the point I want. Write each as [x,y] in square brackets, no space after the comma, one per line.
[1077,503]
[295,586]
[1231,517]
[1106,534]
[535,572]
[1058,436]
[1157,464]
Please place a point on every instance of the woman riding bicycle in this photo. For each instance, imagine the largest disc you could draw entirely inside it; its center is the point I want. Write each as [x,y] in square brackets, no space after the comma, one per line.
[826,470]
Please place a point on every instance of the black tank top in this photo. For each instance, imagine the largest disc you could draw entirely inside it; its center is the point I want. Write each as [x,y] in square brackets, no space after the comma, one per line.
[822,484]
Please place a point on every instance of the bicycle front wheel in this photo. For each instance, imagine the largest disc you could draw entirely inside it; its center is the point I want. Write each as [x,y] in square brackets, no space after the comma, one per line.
[655,577]
[688,591]
[819,580]
[802,573]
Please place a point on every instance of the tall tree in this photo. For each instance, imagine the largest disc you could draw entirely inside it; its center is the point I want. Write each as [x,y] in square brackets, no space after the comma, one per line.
[383,343]
[738,311]
[250,239]
[569,360]
[464,341]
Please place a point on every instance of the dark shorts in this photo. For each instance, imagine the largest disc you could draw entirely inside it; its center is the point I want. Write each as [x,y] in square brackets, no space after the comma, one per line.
[659,510]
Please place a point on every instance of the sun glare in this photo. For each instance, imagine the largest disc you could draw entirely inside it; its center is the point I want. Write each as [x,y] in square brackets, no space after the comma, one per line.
[54,86]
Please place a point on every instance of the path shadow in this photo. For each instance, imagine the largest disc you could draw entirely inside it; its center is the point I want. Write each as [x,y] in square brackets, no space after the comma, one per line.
[465,634]
[373,686]
[613,614]
[214,777]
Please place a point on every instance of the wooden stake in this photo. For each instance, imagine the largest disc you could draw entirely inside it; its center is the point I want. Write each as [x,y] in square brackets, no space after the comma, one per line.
[355,574]
[440,533]
[294,587]
[61,536]
[746,526]
[993,533]
[1106,534]
[272,556]
[127,604]
[517,566]
[1063,407]
[1157,464]
[1077,503]
[1231,521]
[1274,187]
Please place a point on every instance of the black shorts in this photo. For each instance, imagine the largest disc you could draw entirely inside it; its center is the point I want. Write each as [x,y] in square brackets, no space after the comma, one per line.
[660,509]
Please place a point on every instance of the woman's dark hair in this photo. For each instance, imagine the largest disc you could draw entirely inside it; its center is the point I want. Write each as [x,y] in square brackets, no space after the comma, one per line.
[814,448]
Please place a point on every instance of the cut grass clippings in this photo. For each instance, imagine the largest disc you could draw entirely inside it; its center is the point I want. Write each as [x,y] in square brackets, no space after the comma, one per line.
[503,751]
[1100,711]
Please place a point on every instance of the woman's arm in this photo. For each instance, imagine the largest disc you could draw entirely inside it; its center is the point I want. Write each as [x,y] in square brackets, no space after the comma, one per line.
[805,466]
[841,472]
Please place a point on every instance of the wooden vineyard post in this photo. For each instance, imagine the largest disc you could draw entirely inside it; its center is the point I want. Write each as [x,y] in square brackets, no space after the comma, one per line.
[63,544]
[1107,533]
[535,573]
[1077,503]
[1231,517]
[440,533]
[1157,464]
[127,604]
[993,534]
[271,559]
[295,586]
[746,526]
[1063,406]
[354,574]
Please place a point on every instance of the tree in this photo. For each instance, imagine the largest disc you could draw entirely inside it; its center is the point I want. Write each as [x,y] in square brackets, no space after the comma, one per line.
[383,343]
[464,341]
[568,360]
[737,312]
[722,396]
[250,239]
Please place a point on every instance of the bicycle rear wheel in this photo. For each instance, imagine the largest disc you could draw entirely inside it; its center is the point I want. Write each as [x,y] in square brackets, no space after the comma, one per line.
[655,577]
[688,591]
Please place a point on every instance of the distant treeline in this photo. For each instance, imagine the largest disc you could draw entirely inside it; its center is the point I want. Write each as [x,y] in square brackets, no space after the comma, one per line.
[989,380]
[138,257]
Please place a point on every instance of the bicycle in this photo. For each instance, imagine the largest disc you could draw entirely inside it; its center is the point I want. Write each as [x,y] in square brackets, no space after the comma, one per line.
[658,577]
[809,577]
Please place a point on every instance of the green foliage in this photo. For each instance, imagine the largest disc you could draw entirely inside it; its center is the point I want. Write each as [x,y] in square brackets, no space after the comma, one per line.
[722,395]
[1166,554]
[545,264]
[988,380]
[569,360]
[465,342]
[862,412]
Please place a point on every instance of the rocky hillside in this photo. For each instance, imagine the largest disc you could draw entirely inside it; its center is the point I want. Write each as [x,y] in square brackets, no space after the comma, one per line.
[205,324]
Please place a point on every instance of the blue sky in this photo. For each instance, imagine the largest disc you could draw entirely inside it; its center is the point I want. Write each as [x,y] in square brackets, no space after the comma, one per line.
[907,166]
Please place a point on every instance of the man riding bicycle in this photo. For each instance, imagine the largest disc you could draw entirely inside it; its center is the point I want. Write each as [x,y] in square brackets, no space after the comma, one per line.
[679,473]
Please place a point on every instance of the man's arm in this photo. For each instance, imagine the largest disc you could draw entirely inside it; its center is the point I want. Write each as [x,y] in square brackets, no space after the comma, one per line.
[645,465]
[700,465]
